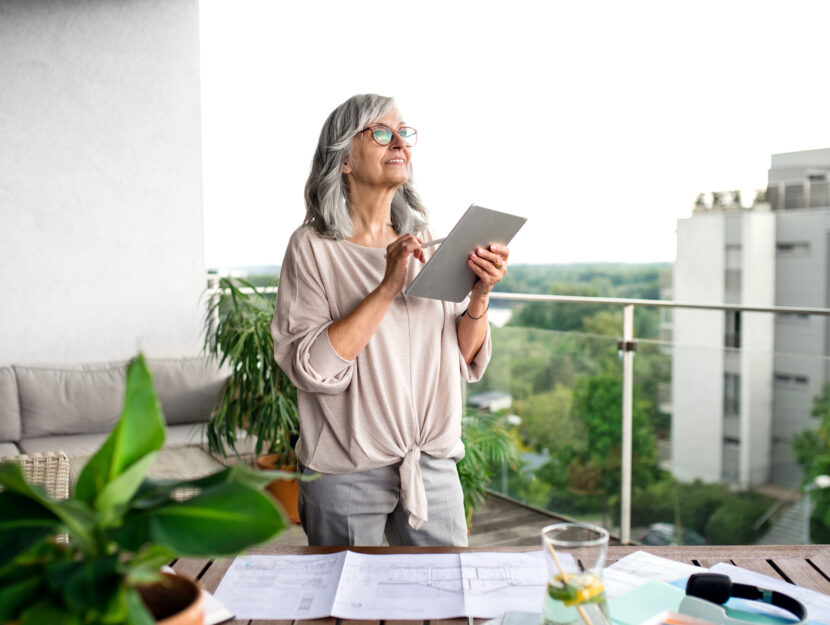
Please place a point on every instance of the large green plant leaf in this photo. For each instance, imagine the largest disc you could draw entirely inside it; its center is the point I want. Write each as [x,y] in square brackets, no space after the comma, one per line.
[139,433]
[137,612]
[15,596]
[86,586]
[154,492]
[77,519]
[222,520]
[23,523]
[145,567]
[46,611]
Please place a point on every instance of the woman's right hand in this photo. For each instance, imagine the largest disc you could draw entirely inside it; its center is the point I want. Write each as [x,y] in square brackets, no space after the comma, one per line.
[397,261]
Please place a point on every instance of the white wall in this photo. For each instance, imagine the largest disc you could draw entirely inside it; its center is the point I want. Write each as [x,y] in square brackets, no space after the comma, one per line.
[698,358]
[101,235]
[757,345]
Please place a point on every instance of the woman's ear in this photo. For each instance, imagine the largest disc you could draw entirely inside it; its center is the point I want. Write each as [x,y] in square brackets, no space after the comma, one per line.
[347,169]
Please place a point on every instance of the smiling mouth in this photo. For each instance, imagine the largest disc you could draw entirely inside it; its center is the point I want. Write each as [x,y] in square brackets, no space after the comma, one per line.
[396,161]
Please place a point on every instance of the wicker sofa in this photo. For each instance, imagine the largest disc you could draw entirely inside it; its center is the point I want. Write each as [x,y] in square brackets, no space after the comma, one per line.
[72,408]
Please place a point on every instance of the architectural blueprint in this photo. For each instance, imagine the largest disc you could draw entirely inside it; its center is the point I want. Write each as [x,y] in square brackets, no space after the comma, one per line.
[402,587]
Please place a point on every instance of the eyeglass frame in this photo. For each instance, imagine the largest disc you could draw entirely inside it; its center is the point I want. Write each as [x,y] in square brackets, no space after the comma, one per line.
[394,132]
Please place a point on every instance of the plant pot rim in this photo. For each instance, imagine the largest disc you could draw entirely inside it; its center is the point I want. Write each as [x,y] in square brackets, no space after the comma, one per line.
[162,593]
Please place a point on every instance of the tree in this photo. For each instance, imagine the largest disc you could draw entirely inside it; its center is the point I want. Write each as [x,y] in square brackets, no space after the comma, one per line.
[546,422]
[811,450]
[594,459]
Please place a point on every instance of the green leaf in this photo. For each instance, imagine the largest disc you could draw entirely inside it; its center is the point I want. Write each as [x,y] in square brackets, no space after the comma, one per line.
[16,595]
[87,585]
[73,514]
[222,520]
[111,501]
[137,612]
[139,432]
[47,611]
[144,567]
[154,492]
[23,523]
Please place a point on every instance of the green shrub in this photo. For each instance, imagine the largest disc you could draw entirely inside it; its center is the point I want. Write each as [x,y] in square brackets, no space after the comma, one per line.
[731,523]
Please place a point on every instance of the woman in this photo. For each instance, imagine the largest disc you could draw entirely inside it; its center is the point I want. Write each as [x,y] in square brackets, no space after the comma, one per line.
[377,372]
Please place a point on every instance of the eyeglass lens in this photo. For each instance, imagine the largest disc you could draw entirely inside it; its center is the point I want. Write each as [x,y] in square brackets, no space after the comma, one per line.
[383,135]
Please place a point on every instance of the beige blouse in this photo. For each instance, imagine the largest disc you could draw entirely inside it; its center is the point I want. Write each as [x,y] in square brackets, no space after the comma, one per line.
[399,397]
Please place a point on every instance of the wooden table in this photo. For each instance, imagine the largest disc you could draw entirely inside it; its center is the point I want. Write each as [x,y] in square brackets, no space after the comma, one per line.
[807,566]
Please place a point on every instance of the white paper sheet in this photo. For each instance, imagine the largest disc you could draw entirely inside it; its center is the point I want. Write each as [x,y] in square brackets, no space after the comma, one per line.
[640,567]
[281,587]
[400,587]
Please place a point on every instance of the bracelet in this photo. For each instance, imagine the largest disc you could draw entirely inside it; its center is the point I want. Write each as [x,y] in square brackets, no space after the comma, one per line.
[467,312]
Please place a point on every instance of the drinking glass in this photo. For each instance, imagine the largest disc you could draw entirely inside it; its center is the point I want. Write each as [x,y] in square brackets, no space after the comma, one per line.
[575,593]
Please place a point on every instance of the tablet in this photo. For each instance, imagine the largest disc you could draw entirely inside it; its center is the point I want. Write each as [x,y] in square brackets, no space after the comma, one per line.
[446,275]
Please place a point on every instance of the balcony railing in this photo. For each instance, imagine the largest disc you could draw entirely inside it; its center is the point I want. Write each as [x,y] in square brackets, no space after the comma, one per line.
[732,410]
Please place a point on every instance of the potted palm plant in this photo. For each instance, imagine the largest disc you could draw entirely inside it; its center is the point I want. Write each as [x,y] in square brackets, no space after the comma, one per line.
[258,398]
[122,528]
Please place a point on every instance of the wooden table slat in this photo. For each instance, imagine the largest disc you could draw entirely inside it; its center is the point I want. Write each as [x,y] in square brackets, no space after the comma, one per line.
[822,563]
[758,565]
[802,574]
[708,563]
[190,567]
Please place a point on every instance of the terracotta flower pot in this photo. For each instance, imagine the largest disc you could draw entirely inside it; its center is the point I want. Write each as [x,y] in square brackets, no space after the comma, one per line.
[174,601]
[286,492]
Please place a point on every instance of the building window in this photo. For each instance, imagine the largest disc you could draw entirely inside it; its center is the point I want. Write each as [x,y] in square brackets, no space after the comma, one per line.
[792,317]
[731,394]
[792,248]
[733,328]
[790,379]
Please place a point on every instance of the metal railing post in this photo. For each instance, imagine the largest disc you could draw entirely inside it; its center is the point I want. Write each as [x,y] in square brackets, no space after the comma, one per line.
[628,348]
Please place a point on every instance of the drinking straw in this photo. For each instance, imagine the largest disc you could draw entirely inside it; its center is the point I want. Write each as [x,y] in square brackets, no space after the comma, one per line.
[559,566]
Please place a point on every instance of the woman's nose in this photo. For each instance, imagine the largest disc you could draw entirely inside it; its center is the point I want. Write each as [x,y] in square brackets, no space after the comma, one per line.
[397,142]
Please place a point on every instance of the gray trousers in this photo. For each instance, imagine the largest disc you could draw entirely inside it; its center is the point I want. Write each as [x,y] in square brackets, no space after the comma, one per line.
[360,508]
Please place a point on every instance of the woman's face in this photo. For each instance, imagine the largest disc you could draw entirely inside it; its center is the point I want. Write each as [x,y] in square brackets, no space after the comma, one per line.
[382,166]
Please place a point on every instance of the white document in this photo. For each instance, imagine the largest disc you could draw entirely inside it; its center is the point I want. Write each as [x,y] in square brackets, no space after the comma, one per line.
[395,587]
[817,604]
[639,568]
[281,587]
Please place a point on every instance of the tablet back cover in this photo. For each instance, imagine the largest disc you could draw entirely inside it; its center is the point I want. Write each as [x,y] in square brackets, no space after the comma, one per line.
[446,275]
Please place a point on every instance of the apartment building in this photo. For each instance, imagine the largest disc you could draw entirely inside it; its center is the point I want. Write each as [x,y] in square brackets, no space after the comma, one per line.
[743,382]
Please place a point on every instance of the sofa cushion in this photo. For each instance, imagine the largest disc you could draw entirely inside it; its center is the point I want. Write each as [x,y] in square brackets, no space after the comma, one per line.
[9,449]
[9,406]
[78,399]
[187,387]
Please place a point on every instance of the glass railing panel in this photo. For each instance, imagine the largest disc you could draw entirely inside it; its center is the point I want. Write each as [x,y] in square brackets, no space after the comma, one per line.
[714,425]
[565,389]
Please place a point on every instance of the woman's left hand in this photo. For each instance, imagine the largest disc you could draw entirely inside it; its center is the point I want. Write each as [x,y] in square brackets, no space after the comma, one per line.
[490,265]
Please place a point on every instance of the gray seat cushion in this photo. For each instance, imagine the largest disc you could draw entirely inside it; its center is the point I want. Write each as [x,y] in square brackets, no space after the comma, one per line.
[9,449]
[88,444]
[78,399]
[72,444]
[9,406]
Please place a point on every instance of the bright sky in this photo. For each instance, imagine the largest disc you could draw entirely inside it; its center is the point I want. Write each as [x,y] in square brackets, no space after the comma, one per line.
[599,121]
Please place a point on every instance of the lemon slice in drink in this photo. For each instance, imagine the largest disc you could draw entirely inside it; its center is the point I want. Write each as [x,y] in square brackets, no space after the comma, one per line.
[575,588]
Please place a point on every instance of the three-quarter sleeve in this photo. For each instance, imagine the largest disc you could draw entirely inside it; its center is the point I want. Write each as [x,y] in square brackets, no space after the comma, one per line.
[300,325]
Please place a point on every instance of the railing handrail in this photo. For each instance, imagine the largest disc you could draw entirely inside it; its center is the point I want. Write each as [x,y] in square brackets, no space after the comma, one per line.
[618,301]
[659,303]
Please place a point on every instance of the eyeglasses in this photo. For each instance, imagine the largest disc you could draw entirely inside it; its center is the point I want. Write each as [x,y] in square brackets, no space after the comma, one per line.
[383,134]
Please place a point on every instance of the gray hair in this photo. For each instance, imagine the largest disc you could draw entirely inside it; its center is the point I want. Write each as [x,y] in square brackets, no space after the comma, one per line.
[326,190]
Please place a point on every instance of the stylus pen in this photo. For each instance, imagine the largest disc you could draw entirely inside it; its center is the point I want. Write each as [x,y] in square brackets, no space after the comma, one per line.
[433,242]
